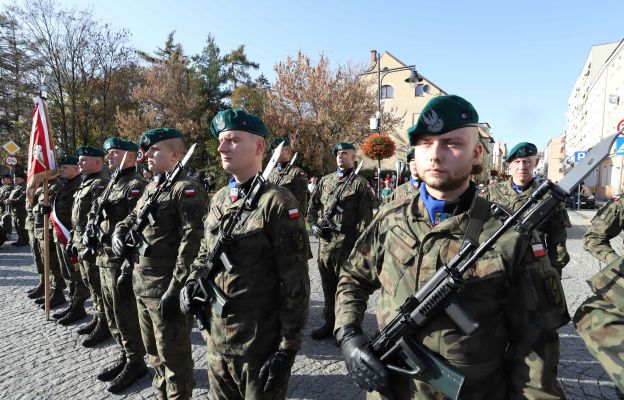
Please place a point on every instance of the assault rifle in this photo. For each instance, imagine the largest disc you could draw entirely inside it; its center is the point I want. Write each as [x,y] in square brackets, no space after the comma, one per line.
[395,345]
[93,233]
[206,291]
[326,222]
[134,238]
[286,170]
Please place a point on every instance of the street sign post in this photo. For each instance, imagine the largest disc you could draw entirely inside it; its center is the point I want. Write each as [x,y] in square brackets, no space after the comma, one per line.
[10,161]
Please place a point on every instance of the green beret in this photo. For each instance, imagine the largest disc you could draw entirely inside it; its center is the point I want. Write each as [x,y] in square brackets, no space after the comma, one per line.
[343,146]
[443,114]
[89,151]
[19,175]
[120,144]
[237,120]
[276,142]
[524,149]
[68,160]
[153,136]
[7,176]
[410,155]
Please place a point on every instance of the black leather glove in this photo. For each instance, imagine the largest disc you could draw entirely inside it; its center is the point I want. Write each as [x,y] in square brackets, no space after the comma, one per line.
[124,282]
[276,369]
[189,306]
[319,232]
[119,244]
[364,367]
[169,305]
[70,249]
[44,210]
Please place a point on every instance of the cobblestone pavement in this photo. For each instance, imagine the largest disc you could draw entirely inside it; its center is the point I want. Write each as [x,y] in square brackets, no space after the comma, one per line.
[42,360]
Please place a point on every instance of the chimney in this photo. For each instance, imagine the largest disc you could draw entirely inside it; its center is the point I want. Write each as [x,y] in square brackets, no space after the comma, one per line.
[373,58]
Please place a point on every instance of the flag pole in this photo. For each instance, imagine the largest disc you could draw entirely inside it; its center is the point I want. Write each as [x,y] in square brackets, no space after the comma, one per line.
[46,222]
[46,250]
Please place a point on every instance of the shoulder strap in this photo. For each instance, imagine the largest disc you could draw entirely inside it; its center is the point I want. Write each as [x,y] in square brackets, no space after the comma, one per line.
[478,214]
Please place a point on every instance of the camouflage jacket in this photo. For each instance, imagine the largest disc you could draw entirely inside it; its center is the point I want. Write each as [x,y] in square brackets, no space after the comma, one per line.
[600,320]
[64,200]
[172,242]
[514,293]
[354,211]
[268,286]
[553,230]
[296,181]
[5,190]
[17,200]
[122,199]
[403,190]
[606,224]
[89,190]
[38,219]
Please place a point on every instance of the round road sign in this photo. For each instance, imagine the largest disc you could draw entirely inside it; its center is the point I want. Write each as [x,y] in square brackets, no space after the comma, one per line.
[10,161]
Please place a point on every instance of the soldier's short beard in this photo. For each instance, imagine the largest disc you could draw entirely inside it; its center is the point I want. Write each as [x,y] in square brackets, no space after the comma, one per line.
[451,183]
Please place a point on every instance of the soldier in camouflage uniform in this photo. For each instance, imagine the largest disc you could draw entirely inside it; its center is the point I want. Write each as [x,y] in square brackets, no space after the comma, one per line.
[163,265]
[354,212]
[5,213]
[61,209]
[17,204]
[410,187]
[600,320]
[293,178]
[522,160]
[39,209]
[513,291]
[37,291]
[606,224]
[94,180]
[119,301]
[251,348]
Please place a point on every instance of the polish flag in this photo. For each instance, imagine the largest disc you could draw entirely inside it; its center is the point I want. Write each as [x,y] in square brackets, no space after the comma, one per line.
[41,159]
[538,250]
[293,213]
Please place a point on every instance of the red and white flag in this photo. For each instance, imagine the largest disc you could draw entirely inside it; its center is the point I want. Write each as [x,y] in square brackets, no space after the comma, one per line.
[41,158]
[61,231]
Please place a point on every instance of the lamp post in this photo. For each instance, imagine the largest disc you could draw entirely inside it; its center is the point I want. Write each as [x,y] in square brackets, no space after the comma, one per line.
[414,80]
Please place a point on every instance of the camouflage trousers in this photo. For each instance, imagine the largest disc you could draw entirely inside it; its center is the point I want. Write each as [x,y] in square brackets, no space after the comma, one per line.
[330,259]
[78,292]
[168,346]
[236,378]
[56,281]
[121,315]
[91,277]
[601,325]
[36,252]
[19,224]
[7,223]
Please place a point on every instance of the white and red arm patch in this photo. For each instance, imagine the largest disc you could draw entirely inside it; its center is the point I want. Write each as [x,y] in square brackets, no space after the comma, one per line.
[189,191]
[293,213]
[538,250]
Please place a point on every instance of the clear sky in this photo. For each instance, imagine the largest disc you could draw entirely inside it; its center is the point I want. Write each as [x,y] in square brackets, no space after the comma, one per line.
[516,61]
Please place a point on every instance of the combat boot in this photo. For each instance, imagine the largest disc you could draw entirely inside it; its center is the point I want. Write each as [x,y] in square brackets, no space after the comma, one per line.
[20,243]
[60,314]
[40,300]
[75,314]
[132,372]
[110,373]
[98,335]
[36,292]
[88,328]
[324,332]
[57,298]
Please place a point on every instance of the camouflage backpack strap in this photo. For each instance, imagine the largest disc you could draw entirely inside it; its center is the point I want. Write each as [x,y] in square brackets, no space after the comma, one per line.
[479,213]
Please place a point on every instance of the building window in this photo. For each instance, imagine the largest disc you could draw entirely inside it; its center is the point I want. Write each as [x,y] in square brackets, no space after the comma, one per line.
[387,92]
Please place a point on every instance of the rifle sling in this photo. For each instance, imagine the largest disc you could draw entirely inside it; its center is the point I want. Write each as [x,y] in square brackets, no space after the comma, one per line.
[479,212]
